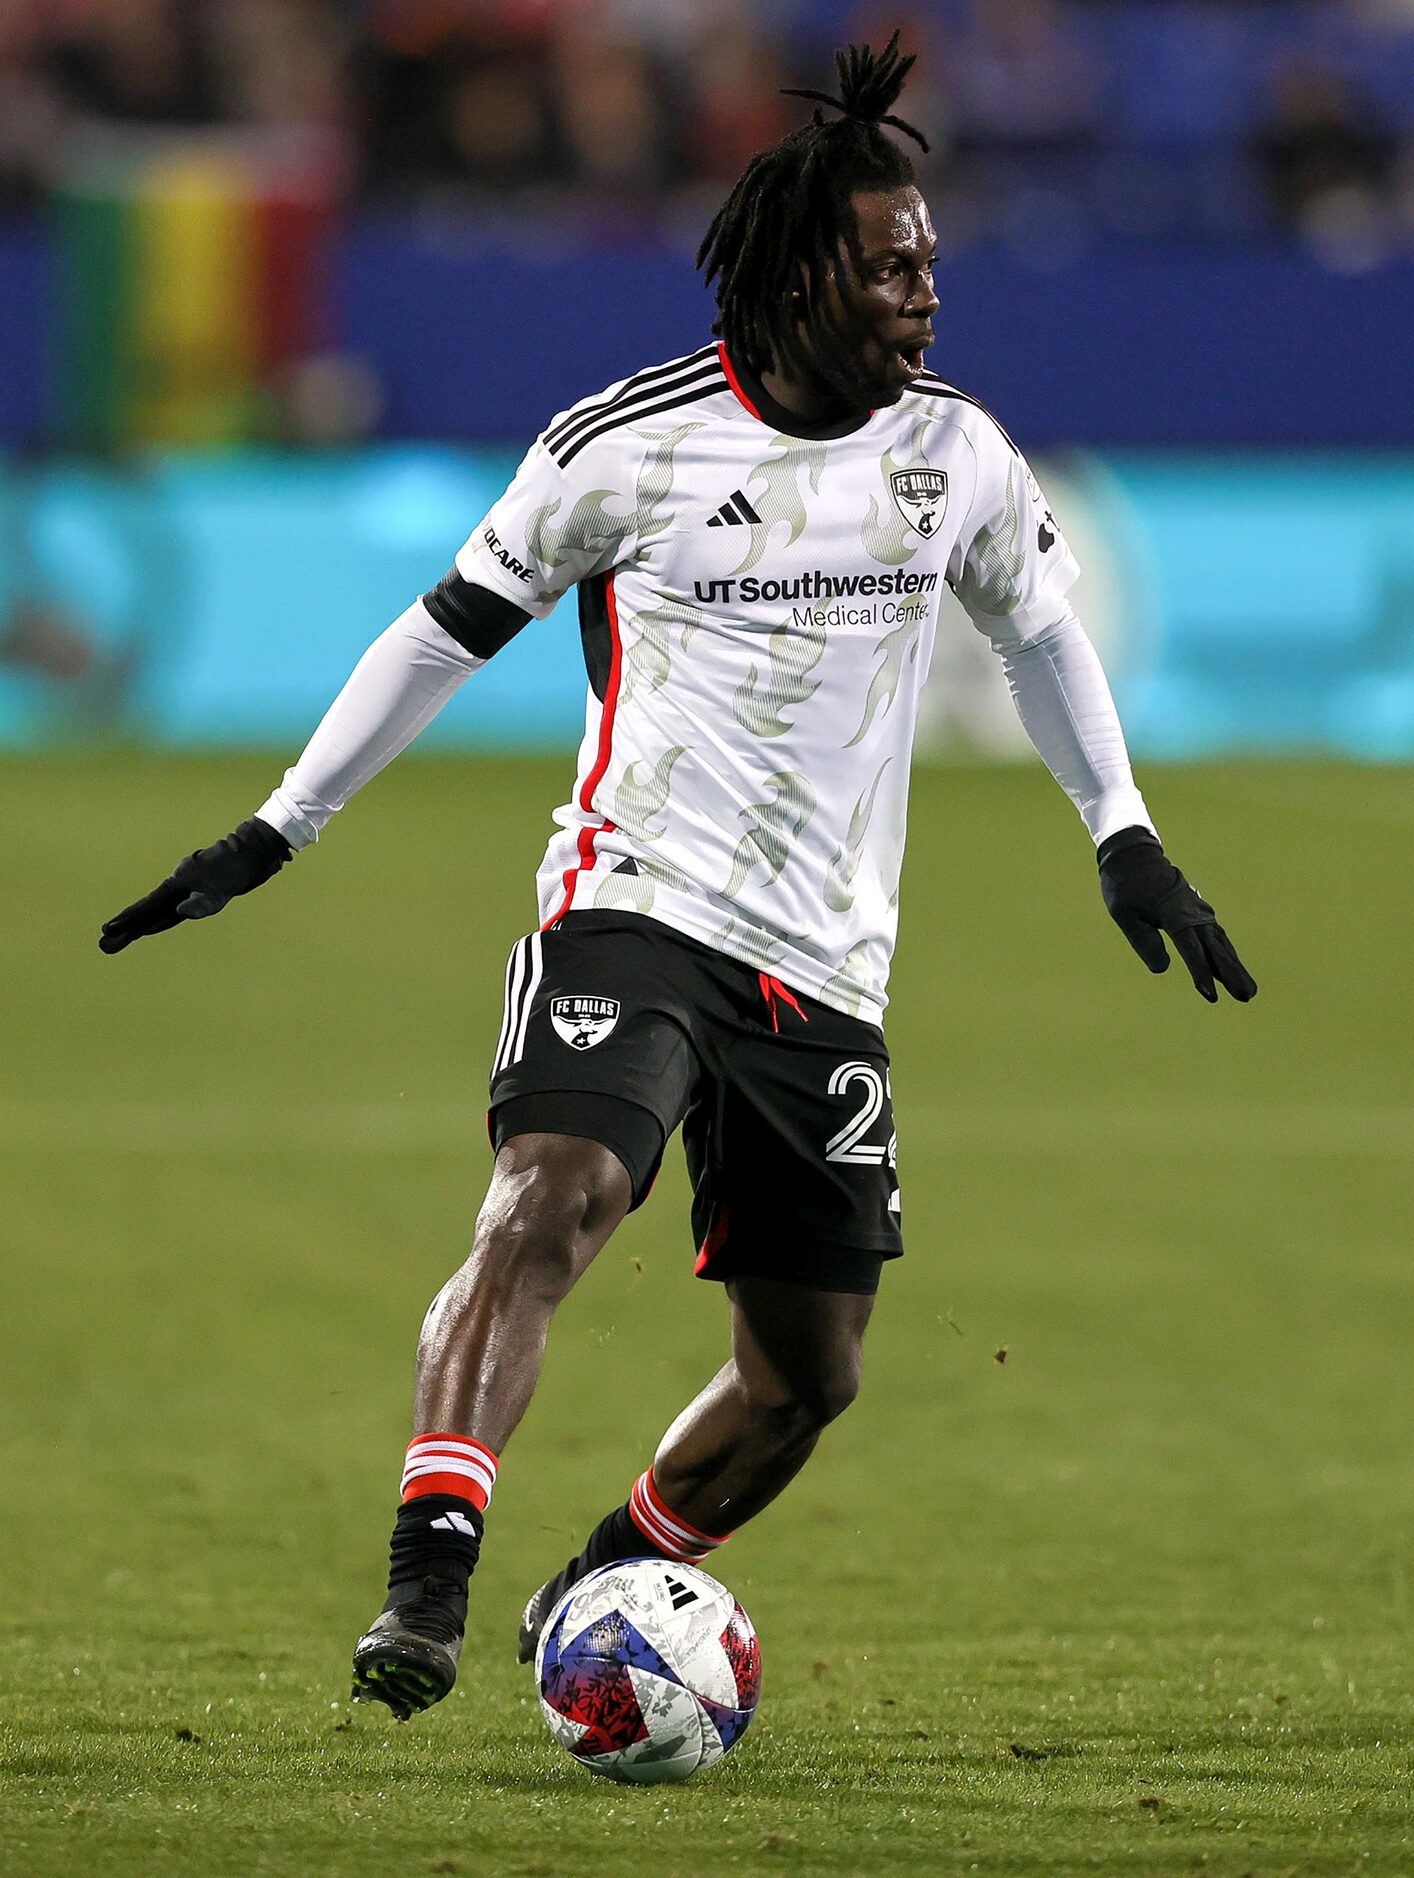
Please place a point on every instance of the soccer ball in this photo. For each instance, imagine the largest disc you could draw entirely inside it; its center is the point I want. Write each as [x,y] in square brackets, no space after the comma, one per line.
[648,1670]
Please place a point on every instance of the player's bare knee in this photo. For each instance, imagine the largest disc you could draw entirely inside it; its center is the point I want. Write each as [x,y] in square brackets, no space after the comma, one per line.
[837,1387]
[538,1215]
[825,1398]
[531,1242]
[797,1408]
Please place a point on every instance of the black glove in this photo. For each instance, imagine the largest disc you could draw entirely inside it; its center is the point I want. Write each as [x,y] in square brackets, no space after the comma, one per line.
[202,884]
[1147,897]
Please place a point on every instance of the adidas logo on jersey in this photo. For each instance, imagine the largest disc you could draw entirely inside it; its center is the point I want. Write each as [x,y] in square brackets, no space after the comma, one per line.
[735,512]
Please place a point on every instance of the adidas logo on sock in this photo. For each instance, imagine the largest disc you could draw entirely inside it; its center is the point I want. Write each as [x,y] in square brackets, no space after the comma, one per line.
[453,1521]
[735,512]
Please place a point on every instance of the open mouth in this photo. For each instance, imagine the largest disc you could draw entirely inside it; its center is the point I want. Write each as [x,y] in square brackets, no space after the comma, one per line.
[911,358]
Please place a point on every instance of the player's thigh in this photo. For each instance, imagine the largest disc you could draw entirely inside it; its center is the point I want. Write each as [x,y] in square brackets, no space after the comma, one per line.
[593,1043]
[793,1157]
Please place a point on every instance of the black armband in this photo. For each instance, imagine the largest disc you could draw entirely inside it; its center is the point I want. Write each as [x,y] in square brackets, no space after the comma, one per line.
[476,618]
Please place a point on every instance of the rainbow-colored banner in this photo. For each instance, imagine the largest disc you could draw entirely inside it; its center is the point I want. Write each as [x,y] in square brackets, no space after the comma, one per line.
[190,273]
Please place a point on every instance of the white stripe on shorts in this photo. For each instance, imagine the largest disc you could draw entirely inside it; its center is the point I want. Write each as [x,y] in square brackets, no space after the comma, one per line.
[537,966]
[511,958]
[515,980]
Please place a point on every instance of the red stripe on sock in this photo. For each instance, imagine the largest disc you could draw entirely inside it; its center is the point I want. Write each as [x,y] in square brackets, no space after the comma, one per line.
[455,1464]
[666,1530]
[660,1505]
[441,1437]
[457,1484]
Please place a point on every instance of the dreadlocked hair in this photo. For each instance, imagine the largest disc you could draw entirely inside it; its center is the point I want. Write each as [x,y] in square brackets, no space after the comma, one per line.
[788,224]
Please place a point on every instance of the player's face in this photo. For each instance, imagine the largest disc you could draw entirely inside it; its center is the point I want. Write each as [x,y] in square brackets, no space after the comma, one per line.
[884,315]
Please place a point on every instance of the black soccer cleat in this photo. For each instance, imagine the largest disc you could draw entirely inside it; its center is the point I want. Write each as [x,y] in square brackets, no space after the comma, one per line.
[537,1612]
[408,1656]
[616,1537]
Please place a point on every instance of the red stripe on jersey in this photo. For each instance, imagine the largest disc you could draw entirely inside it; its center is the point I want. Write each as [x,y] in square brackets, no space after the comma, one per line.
[741,396]
[735,384]
[588,835]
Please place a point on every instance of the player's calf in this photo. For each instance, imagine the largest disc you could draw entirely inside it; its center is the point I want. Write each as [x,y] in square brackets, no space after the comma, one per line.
[737,1444]
[553,1202]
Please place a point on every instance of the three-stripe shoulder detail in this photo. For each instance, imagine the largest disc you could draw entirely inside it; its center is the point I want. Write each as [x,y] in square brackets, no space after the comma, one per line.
[590,408]
[934,387]
[660,388]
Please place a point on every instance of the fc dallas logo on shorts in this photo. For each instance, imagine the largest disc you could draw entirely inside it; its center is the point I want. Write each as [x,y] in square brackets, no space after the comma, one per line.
[583,1022]
[921,495]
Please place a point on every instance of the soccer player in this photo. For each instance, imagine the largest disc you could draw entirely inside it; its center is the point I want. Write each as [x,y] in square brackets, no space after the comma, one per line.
[759,534]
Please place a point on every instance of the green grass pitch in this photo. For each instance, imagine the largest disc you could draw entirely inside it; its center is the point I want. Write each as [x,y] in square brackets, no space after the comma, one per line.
[1107,1571]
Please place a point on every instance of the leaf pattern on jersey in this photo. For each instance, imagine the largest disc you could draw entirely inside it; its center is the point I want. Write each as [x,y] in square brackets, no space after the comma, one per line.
[886,536]
[891,652]
[892,901]
[890,844]
[845,988]
[655,480]
[624,893]
[989,580]
[648,660]
[749,943]
[585,533]
[773,824]
[638,804]
[844,863]
[793,653]
[780,497]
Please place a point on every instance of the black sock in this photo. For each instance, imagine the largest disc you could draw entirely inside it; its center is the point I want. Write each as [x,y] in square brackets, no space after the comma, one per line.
[615,1537]
[437,1535]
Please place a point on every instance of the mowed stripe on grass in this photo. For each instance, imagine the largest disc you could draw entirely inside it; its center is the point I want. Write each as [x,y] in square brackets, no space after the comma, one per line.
[453,1126]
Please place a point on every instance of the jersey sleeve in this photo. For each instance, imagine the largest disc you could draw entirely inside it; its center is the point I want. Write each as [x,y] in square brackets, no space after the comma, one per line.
[1012,567]
[555,525]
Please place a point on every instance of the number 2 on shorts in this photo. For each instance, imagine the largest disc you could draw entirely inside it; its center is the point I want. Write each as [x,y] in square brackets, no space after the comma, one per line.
[848,1146]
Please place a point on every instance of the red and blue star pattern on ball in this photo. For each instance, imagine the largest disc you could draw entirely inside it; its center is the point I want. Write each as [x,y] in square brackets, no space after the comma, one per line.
[586,1680]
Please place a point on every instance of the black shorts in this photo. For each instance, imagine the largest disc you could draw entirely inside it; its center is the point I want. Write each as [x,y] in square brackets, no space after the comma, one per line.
[619,1029]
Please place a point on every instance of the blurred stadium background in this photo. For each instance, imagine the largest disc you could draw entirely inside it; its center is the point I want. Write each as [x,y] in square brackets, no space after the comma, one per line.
[311,274]
[1108,1571]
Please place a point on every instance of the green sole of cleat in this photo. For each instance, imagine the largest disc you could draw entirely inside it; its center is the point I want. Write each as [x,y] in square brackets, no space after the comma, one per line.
[406,1690]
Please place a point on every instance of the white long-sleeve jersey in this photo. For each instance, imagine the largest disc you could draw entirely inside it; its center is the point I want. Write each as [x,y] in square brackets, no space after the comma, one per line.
[758,611]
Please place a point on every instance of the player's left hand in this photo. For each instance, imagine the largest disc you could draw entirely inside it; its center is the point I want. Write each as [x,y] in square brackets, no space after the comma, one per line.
[1148,897]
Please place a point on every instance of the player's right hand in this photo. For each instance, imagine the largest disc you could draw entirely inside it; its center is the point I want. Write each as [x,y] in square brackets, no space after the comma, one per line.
[202,884]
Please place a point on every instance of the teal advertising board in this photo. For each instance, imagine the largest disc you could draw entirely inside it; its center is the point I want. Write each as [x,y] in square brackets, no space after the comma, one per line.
[1242,602]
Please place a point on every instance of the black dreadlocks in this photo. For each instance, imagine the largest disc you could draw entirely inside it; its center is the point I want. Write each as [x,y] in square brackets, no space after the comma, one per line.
[788,222]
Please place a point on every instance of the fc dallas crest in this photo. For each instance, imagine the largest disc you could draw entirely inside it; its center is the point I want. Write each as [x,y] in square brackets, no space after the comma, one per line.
[583,1022]
[921,496]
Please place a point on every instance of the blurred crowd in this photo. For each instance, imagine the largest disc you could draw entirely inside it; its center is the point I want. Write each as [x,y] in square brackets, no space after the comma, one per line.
[1053,121]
